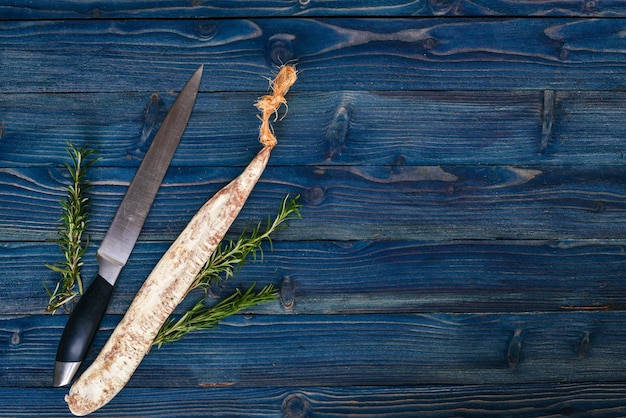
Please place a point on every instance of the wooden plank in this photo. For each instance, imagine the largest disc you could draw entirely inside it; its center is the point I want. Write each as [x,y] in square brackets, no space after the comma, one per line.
[532,400]
[23,9]
[345,127]
[333,54]
[369,277]
[344,202]
[352,350]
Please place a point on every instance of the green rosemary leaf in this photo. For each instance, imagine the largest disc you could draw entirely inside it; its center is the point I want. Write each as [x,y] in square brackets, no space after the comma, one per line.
[72,225]
[201,317]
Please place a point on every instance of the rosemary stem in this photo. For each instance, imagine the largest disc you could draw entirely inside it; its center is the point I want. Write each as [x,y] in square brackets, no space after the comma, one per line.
[72,225]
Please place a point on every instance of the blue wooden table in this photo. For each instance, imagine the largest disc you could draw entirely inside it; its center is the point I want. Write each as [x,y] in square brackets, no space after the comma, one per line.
[462,170]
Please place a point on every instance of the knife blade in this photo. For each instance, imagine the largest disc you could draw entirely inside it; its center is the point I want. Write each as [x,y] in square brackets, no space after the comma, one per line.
[122,235]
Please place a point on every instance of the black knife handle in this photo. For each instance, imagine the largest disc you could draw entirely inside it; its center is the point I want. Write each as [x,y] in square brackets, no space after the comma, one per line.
[84,321]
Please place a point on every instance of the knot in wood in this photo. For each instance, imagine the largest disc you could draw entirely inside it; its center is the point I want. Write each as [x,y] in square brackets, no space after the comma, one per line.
[295,406]
[514,351]
[314,195]
[206,29]
[279,48]
[287,293]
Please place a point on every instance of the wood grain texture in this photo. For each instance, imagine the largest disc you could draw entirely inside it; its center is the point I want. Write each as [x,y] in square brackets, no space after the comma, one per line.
[528,400]
[334,54]
[325,128]
[338,350]
[344,127]
[22,9]
[343,203]
[369,277]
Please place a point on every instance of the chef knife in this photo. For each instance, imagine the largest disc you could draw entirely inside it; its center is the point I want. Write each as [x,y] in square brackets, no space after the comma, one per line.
[122,235]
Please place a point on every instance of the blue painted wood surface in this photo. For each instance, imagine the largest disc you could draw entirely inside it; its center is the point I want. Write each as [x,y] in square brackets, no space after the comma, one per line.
[463,180]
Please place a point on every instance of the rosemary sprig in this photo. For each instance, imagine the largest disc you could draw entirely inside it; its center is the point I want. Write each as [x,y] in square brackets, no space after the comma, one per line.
[228,258]
[72,225]
[202,317]
[223,264]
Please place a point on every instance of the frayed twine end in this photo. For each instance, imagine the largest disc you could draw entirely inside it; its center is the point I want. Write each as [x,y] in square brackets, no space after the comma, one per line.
[269,104]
